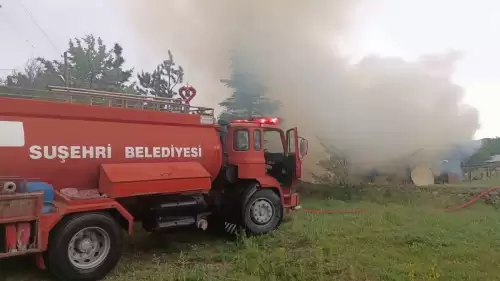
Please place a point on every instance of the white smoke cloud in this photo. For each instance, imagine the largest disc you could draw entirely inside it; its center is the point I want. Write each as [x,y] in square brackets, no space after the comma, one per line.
[377,110]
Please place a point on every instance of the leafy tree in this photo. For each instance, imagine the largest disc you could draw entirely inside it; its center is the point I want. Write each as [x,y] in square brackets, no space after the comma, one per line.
[90,64]
[489,147]
[337,168]
[38,73]
[93,66]
[338,173]
[162,81]
[248,98]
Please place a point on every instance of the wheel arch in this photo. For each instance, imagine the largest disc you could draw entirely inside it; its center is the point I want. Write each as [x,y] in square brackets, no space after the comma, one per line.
[271,183]
[250,186]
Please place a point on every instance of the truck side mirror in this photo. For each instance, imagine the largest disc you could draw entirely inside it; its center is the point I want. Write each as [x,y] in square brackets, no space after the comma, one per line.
[303,147]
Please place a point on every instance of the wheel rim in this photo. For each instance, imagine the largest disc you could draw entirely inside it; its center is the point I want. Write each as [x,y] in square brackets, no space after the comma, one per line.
[89,247]
[261,211]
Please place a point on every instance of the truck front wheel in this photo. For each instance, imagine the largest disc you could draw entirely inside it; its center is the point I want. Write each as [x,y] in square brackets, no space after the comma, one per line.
[84,247]
[263,212]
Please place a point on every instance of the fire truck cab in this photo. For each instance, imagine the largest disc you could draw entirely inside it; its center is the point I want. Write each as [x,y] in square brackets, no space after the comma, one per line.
[259,154]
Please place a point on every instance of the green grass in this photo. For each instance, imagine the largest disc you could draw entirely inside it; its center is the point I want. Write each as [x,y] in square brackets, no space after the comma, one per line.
[402,237]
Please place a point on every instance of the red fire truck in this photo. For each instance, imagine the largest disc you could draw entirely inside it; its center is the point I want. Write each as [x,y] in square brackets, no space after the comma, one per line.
[79,166]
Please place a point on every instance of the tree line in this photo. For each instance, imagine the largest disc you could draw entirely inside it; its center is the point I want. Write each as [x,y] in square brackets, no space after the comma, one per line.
[489,147]
[91,64]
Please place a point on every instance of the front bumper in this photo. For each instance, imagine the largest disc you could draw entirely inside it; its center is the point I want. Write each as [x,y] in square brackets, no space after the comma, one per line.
[294,200]
[292,203]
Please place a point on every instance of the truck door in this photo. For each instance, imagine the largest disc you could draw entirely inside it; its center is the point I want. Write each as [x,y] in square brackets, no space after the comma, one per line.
[293,159]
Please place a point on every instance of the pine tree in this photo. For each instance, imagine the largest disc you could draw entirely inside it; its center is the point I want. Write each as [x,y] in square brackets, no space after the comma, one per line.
[249,94]
[93,66]
[162,81]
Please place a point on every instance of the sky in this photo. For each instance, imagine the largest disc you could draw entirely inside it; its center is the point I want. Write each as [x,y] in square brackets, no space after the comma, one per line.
[411,28]
[406,28]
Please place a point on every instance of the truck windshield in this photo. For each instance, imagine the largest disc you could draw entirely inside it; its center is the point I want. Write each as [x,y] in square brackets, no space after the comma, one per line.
[272,142]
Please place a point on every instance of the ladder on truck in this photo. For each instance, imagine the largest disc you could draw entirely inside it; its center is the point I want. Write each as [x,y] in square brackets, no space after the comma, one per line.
[107,99]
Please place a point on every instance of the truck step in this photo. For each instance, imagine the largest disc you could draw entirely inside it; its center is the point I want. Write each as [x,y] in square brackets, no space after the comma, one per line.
[164,223]
[172,222]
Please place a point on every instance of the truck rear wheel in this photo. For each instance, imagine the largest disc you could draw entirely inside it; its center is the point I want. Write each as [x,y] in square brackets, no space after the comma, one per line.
[263,212]
[85,247]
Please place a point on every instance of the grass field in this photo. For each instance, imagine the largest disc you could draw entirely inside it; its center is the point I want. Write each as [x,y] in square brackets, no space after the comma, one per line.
[401,237]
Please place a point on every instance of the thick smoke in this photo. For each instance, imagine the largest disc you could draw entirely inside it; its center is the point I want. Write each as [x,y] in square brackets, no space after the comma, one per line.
[378,110]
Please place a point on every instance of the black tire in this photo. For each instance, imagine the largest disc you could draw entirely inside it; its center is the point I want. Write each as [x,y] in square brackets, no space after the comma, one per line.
[251,224]
[57,257]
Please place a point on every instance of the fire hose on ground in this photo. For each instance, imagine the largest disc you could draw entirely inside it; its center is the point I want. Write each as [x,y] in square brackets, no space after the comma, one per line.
[451,209]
